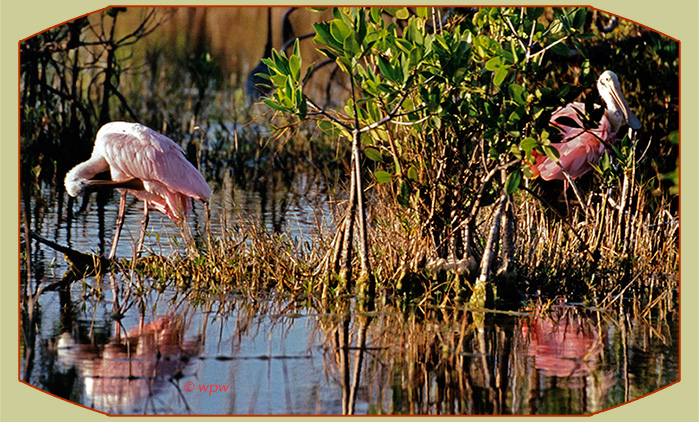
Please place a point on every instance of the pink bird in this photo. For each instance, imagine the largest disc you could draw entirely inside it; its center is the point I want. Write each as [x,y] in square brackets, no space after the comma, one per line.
[581,146]
[141,161]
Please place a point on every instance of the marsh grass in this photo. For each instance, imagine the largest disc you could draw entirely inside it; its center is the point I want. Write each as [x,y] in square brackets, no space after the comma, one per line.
[592,260]
[193,92]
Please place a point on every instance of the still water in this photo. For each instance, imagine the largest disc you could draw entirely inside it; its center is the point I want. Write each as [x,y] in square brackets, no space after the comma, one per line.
[174,354]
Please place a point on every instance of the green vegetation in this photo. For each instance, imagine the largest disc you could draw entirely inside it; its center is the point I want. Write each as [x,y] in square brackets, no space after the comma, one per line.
[436,275]
[449,114]
[441,111]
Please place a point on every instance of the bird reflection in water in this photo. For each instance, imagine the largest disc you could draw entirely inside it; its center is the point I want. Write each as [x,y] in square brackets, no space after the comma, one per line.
[130,369]
[567,347]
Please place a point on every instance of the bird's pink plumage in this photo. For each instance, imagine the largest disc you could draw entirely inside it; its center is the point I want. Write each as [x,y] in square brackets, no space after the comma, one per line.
[579,147]
[133,150]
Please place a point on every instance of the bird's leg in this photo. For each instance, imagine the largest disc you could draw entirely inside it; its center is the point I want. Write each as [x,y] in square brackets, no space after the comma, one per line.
[119,224]
[144,225]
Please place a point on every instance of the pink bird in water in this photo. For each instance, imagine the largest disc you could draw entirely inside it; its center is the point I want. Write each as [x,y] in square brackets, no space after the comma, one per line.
[141,161]
[581,146]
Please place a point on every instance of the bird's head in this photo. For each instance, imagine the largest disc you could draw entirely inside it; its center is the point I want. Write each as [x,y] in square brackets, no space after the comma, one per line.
[618,112]
[76,185]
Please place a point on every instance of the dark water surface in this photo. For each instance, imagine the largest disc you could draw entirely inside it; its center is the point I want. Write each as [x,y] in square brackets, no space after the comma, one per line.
[173,354]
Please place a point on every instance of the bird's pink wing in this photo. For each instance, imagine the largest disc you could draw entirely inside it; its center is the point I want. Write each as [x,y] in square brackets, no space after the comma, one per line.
[137,151]
[133,150]
[568,121]
[574,156]
[579,147]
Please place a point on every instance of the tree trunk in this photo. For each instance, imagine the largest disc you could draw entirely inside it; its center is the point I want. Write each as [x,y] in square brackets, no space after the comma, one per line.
[365,285]
[507,234]
[478,297]
[346,259]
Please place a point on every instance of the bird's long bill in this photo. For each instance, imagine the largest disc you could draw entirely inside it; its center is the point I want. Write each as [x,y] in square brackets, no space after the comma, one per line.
[631,118]
[133,184]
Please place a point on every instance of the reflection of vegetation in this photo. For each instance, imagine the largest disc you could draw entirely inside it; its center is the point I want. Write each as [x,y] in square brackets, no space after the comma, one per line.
[431,360]
[442,363]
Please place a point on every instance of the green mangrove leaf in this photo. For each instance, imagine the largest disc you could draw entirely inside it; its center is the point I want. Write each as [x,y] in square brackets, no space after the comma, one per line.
[351,46]
[375,15]
[404,194]
[387,69]
[273,104]
[295,67]
[412,174]
[518,93]
[398,12]
[579,18]
[604,163]
[494,64]
[560,48]
[528,172]
[674,137]
[513,181]
[383,176]
[373,154]
[402,13]
[528,144]
[339,30]
[518,114]
[345,64]
[551,152]
[533,13]
[324,37]
[301,103]
[413,33]
[501,74]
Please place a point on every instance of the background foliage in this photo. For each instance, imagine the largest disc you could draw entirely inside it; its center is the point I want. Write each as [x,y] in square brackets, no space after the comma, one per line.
[451,111]
[450,104]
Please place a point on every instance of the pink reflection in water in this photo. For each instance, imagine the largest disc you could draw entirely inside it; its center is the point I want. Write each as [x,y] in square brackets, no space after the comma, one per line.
[128,370]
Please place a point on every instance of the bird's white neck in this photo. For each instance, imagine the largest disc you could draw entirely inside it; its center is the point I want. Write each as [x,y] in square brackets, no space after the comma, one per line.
[77,179]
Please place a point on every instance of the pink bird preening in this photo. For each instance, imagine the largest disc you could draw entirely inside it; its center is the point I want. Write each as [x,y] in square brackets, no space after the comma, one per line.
[581,146]
[145,163]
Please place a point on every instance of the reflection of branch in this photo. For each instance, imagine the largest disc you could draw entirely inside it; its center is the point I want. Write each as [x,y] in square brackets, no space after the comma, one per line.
[359,358]
[60,248]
